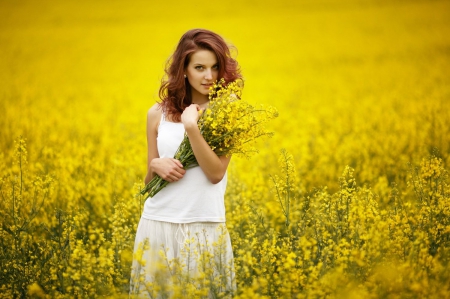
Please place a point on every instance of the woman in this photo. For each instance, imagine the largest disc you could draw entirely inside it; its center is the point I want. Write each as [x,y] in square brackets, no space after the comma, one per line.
[182,236]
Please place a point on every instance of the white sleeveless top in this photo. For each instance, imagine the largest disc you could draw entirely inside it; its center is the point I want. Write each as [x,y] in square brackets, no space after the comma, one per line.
[193,198]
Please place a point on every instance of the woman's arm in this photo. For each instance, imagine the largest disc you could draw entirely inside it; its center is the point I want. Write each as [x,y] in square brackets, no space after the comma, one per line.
[169,169]
[212,165]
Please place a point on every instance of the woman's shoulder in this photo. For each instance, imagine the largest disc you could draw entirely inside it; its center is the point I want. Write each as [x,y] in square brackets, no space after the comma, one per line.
[155,111]
[154,116]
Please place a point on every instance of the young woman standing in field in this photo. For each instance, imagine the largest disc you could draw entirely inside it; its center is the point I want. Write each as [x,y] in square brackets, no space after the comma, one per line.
[184,224]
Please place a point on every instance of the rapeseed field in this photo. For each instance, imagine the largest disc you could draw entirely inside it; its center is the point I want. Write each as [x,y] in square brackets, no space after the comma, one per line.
[349,199]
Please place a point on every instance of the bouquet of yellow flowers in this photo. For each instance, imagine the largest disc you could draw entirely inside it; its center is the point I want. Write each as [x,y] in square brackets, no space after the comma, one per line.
[228,125]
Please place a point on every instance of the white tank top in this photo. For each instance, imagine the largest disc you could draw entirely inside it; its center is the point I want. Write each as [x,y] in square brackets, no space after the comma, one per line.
[193,198]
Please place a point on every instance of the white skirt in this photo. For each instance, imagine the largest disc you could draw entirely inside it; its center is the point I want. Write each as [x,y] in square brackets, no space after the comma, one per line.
[182,260]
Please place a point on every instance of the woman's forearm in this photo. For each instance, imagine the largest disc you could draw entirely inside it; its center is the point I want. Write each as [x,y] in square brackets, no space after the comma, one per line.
[213,166]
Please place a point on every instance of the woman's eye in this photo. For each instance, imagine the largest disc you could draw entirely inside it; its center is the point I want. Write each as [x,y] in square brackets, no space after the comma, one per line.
[198,67]
[216,67]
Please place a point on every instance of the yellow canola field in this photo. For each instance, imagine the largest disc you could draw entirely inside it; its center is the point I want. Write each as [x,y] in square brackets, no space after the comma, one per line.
[349,199]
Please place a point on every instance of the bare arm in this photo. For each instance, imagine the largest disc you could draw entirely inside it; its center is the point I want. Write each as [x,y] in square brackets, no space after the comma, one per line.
[212,165]
[169,169]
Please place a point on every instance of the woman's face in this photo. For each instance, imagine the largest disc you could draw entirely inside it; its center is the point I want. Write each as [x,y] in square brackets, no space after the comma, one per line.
[201,72]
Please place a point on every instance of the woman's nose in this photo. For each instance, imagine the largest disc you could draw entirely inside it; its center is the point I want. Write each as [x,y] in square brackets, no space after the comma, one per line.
[208,75]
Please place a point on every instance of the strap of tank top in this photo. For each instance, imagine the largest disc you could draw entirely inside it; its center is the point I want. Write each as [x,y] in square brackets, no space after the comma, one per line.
[163,116]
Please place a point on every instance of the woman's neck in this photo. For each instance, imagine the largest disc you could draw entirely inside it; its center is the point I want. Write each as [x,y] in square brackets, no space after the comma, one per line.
[200,100]
[202,105]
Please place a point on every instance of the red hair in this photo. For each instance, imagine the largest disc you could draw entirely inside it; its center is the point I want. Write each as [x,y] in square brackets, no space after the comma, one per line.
[175,90]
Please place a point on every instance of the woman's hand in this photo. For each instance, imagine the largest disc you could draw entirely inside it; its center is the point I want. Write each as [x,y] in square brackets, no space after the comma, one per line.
[190,116]
[168,169]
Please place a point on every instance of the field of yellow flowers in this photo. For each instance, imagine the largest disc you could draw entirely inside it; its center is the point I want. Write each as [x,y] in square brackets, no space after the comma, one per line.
[349,199]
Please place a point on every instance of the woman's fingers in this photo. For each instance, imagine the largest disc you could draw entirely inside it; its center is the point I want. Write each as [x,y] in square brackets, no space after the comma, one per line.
[172,171]
[189,117]
[178,163]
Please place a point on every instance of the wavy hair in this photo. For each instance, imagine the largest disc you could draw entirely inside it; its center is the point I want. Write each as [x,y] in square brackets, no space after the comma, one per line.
[175,90]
